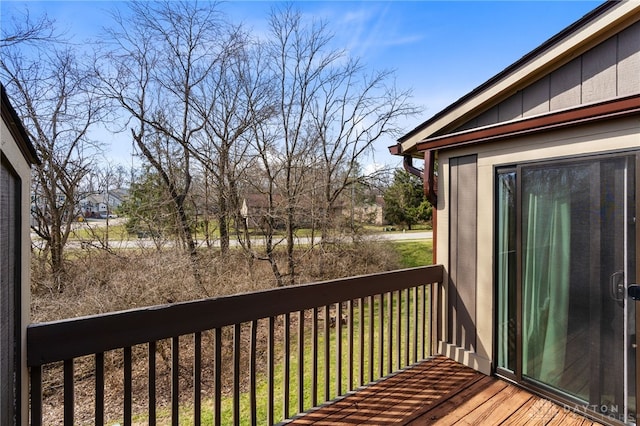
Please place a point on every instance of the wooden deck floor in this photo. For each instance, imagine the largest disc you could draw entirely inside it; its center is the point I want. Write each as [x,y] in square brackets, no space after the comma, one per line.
[440,391]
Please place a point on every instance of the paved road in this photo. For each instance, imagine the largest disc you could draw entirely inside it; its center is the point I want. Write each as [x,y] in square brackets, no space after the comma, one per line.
[422,235]
[149,243]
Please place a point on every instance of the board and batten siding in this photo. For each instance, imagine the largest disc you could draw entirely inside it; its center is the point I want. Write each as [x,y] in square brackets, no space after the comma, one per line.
[9,290]
[461,294]
[609,70]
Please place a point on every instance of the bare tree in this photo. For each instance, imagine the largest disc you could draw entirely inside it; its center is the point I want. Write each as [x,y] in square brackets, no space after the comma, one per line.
[157,58]
[301,59]
[22,29]
[325,116]
[351,112]
[51,93]
[230,101]
[204,204]
[265,202]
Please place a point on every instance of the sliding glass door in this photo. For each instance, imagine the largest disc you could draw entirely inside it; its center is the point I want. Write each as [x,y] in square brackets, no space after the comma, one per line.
[565,257]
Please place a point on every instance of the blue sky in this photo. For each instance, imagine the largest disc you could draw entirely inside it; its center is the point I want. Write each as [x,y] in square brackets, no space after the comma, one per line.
[439,49]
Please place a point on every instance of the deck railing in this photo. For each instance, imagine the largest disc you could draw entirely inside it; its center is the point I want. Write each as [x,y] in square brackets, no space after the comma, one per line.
[252,358]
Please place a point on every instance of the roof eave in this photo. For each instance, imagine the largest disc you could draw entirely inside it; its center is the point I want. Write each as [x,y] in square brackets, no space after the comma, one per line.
[615,108]
[10,117]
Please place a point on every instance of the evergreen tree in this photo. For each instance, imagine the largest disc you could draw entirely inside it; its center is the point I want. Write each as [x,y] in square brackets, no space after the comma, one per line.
[405,203]
[148,208]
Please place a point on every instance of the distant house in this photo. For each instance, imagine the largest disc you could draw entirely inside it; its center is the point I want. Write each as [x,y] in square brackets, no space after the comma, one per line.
[102,204]
[368,212]
[538,198]
[16,157]
[256,210]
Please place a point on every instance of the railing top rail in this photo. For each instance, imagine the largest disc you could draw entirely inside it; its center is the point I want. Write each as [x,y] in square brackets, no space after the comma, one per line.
[71,338]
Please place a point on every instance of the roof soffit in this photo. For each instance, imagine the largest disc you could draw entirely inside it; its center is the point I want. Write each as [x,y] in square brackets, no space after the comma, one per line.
[508,82]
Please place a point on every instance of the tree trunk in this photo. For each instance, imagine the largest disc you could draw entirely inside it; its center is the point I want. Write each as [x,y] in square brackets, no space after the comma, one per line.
[290,245]
[57,247]
[191,245]
[271,255]
[223,222]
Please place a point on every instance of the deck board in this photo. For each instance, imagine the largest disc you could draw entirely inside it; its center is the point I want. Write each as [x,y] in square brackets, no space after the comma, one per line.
[441,392]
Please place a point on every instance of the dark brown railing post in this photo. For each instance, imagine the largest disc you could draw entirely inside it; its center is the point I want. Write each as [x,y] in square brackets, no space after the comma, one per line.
[36,395]
[175,380]
[151,353]
[300,361]
[270,372]
[361,338]
[381,336]
[327,339]
[350,343]
[286,366]
[99,389]
[407,343]
[128,394]
[338,349]
[425,322]
[69,402]
[398,330]
[253,373]
[314,358]
[390,332]
[217,392]
[197,378]
[236,374]
[371,327]
[416,325]
[434,317]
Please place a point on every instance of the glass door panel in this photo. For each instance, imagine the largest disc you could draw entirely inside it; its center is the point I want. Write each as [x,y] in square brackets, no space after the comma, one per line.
[506,260]
[548,195]
[577,324]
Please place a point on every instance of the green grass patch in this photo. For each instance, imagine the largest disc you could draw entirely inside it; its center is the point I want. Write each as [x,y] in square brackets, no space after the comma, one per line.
[98,231]
[415,253]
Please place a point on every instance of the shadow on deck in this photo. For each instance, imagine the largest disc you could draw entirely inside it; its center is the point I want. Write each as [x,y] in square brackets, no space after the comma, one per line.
[440,391]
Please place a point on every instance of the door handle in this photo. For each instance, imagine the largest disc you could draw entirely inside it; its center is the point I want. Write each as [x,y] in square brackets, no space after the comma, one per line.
[616,286]
[634,291]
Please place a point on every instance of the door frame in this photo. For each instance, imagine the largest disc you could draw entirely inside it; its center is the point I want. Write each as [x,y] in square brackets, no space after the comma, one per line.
[569,402]
[636,220]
